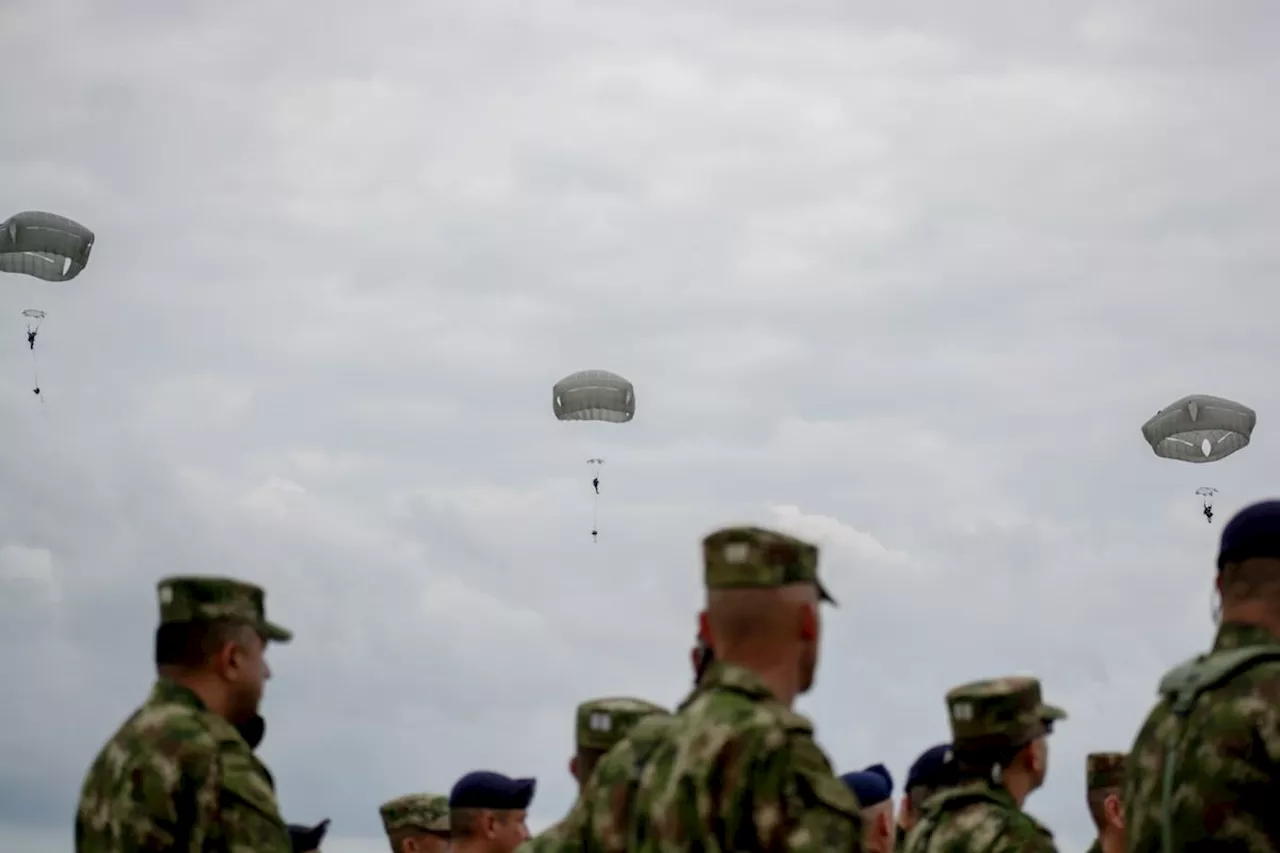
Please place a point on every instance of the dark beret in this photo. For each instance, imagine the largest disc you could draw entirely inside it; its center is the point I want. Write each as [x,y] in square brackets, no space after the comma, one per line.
[932,768]
[484,789]
[307,838]
[871,786]
[1253,532]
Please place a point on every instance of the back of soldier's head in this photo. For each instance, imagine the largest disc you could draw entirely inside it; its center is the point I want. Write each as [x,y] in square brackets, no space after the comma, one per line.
[1249,558]
[760,585]
[200,616]
[600,724]
[994,721]
[1104,781]
[416,823]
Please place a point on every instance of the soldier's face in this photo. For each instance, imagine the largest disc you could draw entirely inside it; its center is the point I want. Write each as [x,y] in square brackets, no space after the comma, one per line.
[247,673]
[811,634]
[511,830]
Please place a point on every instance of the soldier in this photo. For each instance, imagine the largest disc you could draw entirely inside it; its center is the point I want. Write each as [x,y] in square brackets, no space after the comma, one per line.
[1104,778]
[1204,770]
[874,789]
[932,772]
[736,768]
[601,723]
[178,776]
[1000,747]
[417,823]
[488,812]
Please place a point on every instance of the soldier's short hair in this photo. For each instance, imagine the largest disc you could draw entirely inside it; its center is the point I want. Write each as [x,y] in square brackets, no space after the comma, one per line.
[190,645]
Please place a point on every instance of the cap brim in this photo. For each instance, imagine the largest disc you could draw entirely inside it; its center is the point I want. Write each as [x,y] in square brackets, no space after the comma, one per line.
[275,633]
[823,595]
[524,790]
[1051,713]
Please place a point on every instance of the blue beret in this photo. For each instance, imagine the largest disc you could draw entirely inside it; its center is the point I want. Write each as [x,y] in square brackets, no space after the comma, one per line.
[304,839]
[1253,532]
[931,768]
[484,789]
[871,786]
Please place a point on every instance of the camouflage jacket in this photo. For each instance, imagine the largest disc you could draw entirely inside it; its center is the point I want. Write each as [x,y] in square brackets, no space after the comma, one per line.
[977,818]
[1226,752]
[177,778]
[733,769]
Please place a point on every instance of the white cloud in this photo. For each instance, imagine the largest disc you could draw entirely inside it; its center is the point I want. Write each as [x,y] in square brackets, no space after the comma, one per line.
[905,280]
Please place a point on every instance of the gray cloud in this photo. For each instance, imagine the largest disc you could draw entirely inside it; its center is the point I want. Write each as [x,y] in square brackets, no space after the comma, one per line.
[907,283]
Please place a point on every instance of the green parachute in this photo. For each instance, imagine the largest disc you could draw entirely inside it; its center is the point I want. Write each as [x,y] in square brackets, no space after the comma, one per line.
[44,245]
[594,395]
[1198,429]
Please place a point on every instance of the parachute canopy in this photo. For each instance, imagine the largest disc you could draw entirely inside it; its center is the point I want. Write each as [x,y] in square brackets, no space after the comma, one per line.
[1200,428]
[33,313]
[44,245]
[594,395]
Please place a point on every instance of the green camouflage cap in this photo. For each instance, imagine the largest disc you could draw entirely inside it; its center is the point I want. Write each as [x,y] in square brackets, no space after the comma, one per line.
[604,722]
[188,598]
[999,711]
[745,557]
[423,812]
[1104,770]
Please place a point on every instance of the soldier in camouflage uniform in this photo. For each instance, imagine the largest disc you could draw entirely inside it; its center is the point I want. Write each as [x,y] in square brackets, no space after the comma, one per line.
[600,725]
[931,773]
[1001,755]
[1104,779]
[417,823]
[736,768]
[1204,770]
[178,775]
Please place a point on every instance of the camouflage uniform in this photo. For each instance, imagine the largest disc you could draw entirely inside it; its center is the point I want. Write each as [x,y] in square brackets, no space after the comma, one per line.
[600,725]
[177,777]
[734,769]
[1221,756]
[1103,771]
[427,814]
[977,815]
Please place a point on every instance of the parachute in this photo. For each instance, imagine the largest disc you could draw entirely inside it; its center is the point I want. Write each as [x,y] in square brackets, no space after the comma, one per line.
[44,245]
[594,395]
[1200,428]
[1206,493]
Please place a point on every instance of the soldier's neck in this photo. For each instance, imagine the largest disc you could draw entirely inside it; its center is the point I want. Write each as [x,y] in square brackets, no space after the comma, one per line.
[1018,786]
[782,680]
[1111,841]
[208,692]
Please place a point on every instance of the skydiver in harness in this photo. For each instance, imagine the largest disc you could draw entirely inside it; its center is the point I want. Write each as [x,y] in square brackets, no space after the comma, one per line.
[595,484]
[1208,512]
[31,338]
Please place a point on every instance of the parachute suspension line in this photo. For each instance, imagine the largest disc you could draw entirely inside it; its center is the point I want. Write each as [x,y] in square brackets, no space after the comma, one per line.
[35,376]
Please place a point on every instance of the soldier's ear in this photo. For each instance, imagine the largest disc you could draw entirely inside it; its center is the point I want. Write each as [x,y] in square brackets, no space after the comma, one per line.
[809,621]
[1113,809]
[573,769]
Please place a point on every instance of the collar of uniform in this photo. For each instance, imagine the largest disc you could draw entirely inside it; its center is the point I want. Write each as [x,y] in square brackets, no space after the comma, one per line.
[731,676]
[1235,635]
[173,693]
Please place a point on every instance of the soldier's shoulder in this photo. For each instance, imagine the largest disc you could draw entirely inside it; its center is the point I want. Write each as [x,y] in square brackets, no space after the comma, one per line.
[170,733]
[979,823]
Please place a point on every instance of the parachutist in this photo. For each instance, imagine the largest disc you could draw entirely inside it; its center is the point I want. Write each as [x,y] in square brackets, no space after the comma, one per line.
[1208,513]
[594,533]
[595,484]
[31,339]
[35,391]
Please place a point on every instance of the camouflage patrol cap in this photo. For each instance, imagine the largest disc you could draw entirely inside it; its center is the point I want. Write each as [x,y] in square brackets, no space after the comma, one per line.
[423,812]
[188,598]
[999,711]
[603,722]
[752,557]
[1104,770]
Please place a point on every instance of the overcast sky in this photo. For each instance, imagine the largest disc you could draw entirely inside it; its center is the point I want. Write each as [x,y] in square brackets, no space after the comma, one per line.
[906,282]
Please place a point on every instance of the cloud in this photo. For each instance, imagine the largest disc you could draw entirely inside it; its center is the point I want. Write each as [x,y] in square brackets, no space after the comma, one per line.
[904,282]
